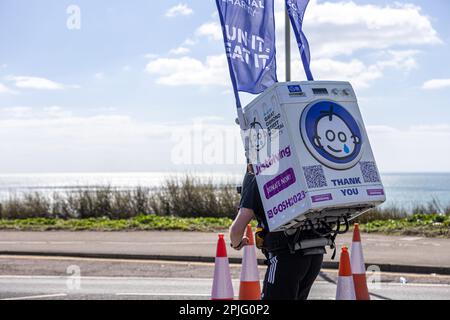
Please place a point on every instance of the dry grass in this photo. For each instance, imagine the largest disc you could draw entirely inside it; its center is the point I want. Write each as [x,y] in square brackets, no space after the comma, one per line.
[186,198]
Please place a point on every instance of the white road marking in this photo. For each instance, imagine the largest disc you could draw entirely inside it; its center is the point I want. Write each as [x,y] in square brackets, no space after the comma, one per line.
[41,242]
[411,239]
[158,243]
[436,285]
[28,277]
[14,257]
[36,297]
[34,277]
[184,263]
[128,261]
[145,294]
[23,242]
[103,278]
[103,242]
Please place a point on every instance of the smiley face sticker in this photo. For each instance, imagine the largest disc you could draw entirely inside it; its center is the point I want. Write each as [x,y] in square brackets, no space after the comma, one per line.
[331,135]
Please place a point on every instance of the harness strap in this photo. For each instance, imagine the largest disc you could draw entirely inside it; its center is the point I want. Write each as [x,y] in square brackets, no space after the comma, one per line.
[332,234]
[291,242]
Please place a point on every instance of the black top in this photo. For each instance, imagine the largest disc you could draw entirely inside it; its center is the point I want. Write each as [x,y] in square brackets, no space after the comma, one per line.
[251,199]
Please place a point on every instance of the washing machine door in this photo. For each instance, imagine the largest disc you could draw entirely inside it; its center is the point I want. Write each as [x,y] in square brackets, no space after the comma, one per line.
[332,134]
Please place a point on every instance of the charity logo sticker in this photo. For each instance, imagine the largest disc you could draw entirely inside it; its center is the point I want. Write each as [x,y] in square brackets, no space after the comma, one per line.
[258,136]
[332,135]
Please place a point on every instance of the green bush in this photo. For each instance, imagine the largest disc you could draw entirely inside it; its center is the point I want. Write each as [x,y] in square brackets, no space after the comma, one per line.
[429,225]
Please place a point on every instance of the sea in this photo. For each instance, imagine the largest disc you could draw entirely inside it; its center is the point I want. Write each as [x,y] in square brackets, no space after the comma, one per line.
[403,190]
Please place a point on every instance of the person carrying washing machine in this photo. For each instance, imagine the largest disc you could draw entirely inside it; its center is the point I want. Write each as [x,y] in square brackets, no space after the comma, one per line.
[291,273]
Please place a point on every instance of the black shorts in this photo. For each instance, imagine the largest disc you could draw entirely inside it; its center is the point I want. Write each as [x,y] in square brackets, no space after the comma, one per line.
[291,276]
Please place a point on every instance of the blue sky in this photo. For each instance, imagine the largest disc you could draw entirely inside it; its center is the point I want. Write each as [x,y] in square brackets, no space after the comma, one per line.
[110,95]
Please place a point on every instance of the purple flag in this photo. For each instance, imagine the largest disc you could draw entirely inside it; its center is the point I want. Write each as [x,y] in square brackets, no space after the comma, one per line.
[296,10]
[248,28]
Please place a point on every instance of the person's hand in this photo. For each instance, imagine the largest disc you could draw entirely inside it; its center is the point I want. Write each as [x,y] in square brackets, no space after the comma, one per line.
[243,243]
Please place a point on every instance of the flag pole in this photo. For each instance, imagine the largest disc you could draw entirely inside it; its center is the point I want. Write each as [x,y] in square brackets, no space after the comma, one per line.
[287,40]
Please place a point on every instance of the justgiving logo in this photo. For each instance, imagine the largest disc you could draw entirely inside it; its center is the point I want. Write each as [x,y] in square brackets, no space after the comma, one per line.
[274,159]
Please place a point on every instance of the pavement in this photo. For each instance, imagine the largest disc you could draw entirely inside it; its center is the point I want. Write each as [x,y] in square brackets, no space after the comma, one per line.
[384,253]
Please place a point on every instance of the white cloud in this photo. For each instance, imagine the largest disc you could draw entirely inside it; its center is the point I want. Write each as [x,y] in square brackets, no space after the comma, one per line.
[4,89]
[190,42]
[88,129]
[360,74]
[337,30]
[62,141]
[340,31]
[211,30]
[190,71]
[342,28]
[30,113]
[56,112]
[16,112]
[399,59]
[439,128]
[416,149]
[151,56]
[99,76]
[180,51]
[345,27]
[180,9]
[27,82]
[113,142]
[355,71]
[436,84]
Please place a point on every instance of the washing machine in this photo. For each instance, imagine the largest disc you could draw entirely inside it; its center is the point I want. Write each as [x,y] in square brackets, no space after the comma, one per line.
[311,155]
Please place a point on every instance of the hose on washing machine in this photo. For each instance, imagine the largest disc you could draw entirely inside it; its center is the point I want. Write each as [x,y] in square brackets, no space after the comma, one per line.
[330,232]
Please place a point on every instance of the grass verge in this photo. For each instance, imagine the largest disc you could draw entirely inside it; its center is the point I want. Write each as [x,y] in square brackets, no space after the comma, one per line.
[425,225]
[139,223]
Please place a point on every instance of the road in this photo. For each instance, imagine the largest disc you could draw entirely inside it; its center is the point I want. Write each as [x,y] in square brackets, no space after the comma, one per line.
[24,278]
[100,288]
[386,251]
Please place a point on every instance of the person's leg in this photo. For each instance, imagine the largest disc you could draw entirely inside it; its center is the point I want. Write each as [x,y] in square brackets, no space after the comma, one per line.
[314,263]
[278,283]
[283,276]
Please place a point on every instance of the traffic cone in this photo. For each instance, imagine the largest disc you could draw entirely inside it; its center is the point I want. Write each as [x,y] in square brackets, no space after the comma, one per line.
[358,267]
[250,288]
[345,286]
[222,288]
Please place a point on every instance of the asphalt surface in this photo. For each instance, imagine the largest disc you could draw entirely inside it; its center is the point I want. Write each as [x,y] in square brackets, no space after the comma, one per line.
[180,289]
[50,278]
[379,250]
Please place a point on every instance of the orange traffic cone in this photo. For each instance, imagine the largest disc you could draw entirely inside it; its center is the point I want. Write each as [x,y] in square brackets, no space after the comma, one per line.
[222,288]
[345,286]
[250,288]
[358,267]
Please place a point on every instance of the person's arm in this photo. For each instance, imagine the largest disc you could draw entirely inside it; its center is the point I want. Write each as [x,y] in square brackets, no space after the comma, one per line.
[239,227]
